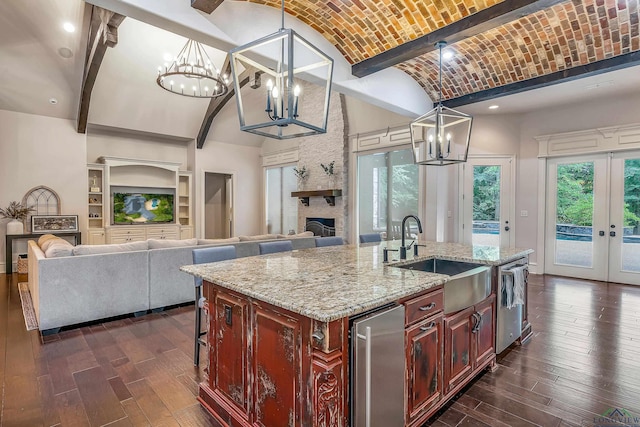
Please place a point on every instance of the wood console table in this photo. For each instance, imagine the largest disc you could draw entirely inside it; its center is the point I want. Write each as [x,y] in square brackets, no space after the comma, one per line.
[8,259]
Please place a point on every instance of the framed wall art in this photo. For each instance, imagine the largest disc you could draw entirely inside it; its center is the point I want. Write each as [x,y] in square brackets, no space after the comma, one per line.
[54,223]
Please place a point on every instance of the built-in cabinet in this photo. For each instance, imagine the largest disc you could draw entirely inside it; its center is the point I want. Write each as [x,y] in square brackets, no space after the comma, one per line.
[116,173]
[95,196]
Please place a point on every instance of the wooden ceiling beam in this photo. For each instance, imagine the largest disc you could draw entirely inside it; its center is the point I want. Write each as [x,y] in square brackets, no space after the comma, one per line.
[103,33]
[206,6]
[216,104]
[484,20]
[606,65]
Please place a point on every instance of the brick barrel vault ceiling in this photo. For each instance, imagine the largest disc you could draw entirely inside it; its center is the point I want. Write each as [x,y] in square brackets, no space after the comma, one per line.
[567,35]
[360,29]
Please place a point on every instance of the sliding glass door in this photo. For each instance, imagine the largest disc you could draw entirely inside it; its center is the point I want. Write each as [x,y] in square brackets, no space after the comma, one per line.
[387,192]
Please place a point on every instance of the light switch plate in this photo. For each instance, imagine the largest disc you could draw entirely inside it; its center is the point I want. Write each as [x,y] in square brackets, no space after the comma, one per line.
[524,213]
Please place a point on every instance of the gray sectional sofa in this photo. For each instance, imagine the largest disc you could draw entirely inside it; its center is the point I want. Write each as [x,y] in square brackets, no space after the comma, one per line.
[69,288]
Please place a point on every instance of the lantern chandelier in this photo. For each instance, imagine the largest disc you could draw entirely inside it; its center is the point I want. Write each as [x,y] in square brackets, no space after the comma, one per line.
[193,74]
[441,136]
[292,68]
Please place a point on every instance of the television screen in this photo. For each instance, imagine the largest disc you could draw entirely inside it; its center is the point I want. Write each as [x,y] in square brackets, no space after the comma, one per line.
[141,208]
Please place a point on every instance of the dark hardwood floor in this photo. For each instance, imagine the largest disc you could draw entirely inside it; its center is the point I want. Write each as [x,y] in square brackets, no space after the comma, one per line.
[581,362]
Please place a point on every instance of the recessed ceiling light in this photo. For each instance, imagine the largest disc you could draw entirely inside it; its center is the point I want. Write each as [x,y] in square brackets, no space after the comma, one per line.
[53,101]
[447,54]
[493,107]
[65,52]
[69,27]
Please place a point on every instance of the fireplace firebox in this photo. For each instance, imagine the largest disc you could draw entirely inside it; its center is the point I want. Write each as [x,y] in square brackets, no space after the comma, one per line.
[321,226]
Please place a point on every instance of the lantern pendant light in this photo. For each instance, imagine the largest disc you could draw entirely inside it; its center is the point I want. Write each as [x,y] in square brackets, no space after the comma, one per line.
[441,136]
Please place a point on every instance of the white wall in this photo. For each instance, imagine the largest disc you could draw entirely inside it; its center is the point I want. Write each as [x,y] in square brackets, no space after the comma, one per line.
[244,163]
[135,146]
[39,150]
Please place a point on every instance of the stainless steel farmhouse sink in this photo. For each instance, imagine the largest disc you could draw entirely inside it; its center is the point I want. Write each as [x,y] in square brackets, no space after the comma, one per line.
[469,284]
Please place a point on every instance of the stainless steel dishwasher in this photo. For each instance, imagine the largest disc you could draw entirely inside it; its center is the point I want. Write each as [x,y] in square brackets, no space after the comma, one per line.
[377,368]
[508,320]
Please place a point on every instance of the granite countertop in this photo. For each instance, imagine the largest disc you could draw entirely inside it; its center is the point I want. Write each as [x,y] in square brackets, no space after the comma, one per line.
[329,283]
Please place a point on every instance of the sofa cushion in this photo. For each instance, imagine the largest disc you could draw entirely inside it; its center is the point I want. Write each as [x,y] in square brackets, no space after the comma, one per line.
[218,241]
[293,236]
[258,237]
[58,248]
[170,243]
[107,249]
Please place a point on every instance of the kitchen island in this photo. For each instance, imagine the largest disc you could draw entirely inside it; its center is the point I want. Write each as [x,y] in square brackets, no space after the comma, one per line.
[278,332]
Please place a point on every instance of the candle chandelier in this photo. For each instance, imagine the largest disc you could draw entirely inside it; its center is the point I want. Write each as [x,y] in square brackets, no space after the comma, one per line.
[292,68]
[193,74]
[441,136]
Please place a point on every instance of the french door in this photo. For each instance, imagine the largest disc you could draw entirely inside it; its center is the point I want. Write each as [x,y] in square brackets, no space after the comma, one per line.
[488,202]
[593,216]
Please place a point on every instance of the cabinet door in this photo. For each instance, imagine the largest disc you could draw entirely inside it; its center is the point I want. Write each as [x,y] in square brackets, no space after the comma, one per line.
[424,365]
[277,371]
[484,330]
[229,353]
[458,346]
[96,237]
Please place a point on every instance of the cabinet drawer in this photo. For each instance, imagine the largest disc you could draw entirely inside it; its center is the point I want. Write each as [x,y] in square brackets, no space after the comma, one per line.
[424,306]
[163,234]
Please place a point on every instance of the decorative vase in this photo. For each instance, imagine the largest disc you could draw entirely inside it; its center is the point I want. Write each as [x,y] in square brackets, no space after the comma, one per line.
[331,182]
[301,184]
[15,227]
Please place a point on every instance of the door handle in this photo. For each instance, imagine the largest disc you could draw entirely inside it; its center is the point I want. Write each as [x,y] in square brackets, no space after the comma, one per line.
[367,367]
[601,233]
[612,233]
[506,228]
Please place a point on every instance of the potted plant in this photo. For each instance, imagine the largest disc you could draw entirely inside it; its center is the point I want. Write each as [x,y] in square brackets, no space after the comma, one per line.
[17,212]
[328,170]
[302,174]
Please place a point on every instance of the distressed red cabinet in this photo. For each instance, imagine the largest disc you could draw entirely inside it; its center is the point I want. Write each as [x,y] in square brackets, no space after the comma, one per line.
[270,367]
[424,367]
[469,342]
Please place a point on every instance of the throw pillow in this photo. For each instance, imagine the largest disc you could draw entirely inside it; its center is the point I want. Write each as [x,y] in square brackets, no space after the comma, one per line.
[59,248]
[107,249]
[44,239]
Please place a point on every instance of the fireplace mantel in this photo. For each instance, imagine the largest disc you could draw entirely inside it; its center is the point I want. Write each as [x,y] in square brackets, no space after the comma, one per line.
[329,195]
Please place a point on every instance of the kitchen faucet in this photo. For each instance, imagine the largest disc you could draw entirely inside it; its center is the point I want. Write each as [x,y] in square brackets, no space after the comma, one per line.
[403,248]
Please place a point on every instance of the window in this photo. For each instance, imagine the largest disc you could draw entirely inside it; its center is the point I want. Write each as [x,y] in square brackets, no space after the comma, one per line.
[281,209]
[387,192]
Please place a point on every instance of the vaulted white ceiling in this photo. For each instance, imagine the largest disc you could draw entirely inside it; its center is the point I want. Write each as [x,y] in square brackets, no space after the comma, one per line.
[32,71]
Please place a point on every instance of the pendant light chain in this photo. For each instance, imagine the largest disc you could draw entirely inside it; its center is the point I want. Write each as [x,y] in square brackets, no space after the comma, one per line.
[282,11]
[440,74]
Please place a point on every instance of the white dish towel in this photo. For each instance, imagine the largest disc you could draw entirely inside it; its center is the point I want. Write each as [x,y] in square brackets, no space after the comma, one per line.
[513,287]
